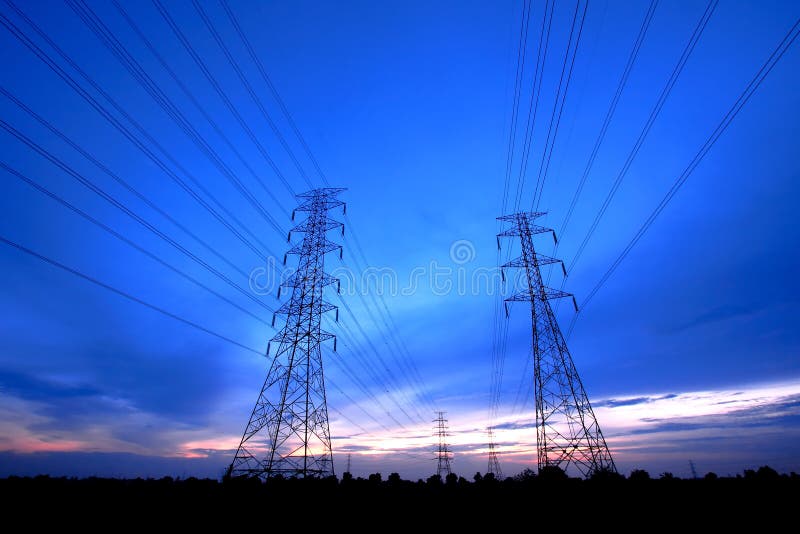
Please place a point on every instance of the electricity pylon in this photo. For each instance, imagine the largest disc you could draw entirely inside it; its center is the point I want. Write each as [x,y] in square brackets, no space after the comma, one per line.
[443,454]
[288,432]
[567,432]
[494,464]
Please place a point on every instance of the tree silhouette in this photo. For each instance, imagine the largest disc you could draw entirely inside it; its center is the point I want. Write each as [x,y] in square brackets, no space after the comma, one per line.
[526,475]
[435,480]
[606,475]
[766,473]
[552,473]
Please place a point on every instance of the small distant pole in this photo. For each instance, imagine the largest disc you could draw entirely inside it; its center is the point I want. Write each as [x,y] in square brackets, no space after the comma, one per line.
[694,471]
[349,458]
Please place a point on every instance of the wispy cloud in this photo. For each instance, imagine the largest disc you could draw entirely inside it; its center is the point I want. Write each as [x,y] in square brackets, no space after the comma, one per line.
[719,314]
[741,426]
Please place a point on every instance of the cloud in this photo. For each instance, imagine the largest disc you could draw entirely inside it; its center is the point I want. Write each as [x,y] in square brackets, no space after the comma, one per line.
[136,401]
[632,401]
[783,411]
[115,464]
[719,314]
[30,387]
[625,414]
[514,425]
[724,429]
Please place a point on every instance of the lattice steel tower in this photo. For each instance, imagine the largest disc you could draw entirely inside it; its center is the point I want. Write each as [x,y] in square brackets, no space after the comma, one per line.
[567,432]
[443,453]
[494,464]
[288,432]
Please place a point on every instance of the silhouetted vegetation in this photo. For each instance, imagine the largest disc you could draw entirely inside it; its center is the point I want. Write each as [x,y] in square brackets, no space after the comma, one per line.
[752,494]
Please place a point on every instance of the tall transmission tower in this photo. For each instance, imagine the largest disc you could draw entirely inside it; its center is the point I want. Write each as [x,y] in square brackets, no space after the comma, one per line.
[288,432]
[694,471]
[494,464]
[443,453]
[567,432]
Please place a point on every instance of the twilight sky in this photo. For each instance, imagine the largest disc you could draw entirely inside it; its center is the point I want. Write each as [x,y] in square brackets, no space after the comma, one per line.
[689,351]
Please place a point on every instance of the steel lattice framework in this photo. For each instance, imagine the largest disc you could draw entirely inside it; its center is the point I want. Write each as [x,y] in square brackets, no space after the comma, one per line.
[494,465]
[288,432]
[567,432]
[443,453]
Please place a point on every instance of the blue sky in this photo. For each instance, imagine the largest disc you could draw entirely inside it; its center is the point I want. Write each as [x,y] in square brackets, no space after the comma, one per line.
[407,104]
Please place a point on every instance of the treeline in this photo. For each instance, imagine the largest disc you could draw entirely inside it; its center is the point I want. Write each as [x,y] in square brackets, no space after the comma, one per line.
[526,479]
[747,495]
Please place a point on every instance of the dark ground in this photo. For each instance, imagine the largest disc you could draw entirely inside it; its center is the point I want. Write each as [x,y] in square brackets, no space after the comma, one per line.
[761,500]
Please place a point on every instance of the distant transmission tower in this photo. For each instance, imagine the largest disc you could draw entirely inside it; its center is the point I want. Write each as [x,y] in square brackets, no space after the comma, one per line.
[443,454]
[494,465]
[288,431]
[567,432]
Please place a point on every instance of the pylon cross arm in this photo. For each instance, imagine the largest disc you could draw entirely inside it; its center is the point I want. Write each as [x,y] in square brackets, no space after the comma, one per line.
[541,259]
[515,231]
[530,215]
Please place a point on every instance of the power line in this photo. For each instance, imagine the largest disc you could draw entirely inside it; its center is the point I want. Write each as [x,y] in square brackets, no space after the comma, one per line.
[606,123]
[521,47]
[665,92]
[521,53]
[248,87]
[525,379]
[61,73]
[221,93]
[154,307]
[125,294]
[363,360]
[38,187]
[259,65]
[402,356]
[200,108]
[114,176]
[102,32]
[500,338]
[610,113]
[356,379]
[356,404]
[394,381]
[533,106]
[343,416]
[122,207]
[547,155]
[133,66]
[242,78]
[726,120]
